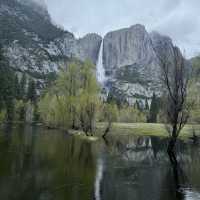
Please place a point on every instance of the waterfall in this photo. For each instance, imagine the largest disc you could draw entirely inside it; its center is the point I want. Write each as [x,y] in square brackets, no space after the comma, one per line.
[100,71]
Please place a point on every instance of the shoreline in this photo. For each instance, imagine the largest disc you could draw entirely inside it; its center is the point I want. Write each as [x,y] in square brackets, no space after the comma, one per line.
[138,129]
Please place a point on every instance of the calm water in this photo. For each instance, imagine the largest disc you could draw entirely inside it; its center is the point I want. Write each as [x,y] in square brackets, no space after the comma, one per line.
[39,164]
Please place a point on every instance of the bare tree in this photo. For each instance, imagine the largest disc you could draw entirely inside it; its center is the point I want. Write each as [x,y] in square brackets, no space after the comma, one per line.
[175,79]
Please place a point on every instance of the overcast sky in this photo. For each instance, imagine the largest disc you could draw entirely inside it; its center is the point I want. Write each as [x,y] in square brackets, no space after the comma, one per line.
[180,19]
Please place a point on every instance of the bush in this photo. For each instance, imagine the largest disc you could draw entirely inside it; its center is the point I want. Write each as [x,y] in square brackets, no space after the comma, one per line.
[2,116]
[131,115]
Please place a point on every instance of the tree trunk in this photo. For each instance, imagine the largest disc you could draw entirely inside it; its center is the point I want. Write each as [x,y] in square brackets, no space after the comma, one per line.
[171,151]
[107,129]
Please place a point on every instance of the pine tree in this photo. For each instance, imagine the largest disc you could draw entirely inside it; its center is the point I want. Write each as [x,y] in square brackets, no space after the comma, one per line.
[7,89]
[17,88]
[2,79]
[22,86]
[31,92]
[146,104]
[154,108]
[137,105]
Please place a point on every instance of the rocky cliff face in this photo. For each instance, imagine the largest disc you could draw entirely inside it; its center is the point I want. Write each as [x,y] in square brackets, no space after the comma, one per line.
[37,46]
[162,45]
[89,47]
[131,60]
[126,47]
[34,44]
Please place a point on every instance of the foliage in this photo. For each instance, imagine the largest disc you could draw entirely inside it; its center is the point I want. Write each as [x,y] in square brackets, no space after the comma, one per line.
[146,105]
[130,114]
[17,87]
[154,109]
[14,97]
[7,87]
[110,112]
[73,101]
[31,92]
[20,110]
[2,116]
[22,85]
[193,99]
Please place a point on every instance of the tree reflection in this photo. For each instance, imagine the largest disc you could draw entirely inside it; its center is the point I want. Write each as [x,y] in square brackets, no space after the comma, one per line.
[40,164]
[36,164]
[142,170]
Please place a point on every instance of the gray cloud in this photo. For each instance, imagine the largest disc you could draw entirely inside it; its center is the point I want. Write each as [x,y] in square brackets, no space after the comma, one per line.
[179,19]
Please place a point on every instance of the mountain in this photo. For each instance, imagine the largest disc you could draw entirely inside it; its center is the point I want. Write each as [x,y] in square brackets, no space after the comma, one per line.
[35,45]
[131,60]
[32,43]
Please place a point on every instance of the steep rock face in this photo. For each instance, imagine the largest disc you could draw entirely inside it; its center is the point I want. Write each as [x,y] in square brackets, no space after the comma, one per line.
[131,63]
[34,44]
[83,48]
[162,46]
[90,45]
[127,46]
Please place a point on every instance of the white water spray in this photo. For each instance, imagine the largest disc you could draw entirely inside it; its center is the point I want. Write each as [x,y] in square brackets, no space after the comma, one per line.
[100,71]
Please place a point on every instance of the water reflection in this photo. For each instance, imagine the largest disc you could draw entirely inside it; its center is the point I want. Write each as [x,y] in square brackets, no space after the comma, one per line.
[36,164]
[39,164]
[99,178]
[144,172]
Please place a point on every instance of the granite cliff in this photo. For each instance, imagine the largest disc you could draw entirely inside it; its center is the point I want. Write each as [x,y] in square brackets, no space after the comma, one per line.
[131,60]
[35,45]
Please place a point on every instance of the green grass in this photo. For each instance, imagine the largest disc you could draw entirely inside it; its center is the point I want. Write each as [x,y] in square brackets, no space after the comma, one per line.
[147,129]
[138,129]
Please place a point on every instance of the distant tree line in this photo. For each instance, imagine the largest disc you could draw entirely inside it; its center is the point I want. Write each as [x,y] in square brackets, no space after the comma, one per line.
[15,92]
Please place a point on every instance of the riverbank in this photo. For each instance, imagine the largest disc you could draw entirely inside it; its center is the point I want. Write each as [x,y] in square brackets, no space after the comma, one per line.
[139,129]
[148,129]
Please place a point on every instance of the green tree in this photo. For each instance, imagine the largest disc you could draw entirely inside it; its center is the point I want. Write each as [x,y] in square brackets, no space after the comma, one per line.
[36,115]
[110,115]
[22,86]
[89,97]
[73,101]
[68,85]
[154,109]
[31,91]
[146,104]
[7,92]
[137,105]
[20,109]
[17,88]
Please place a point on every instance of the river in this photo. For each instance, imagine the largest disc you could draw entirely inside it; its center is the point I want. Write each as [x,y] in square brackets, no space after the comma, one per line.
[41,164]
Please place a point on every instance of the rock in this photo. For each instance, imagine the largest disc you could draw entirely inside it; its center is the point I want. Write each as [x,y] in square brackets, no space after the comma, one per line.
[162,46]
[131,62]
[89,47]
[126,47]
[34,44]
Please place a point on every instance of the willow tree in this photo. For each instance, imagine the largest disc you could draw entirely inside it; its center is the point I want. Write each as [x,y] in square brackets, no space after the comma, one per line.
[89,99]
[110,112]
[175,79]
[67,88]
[73,100]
